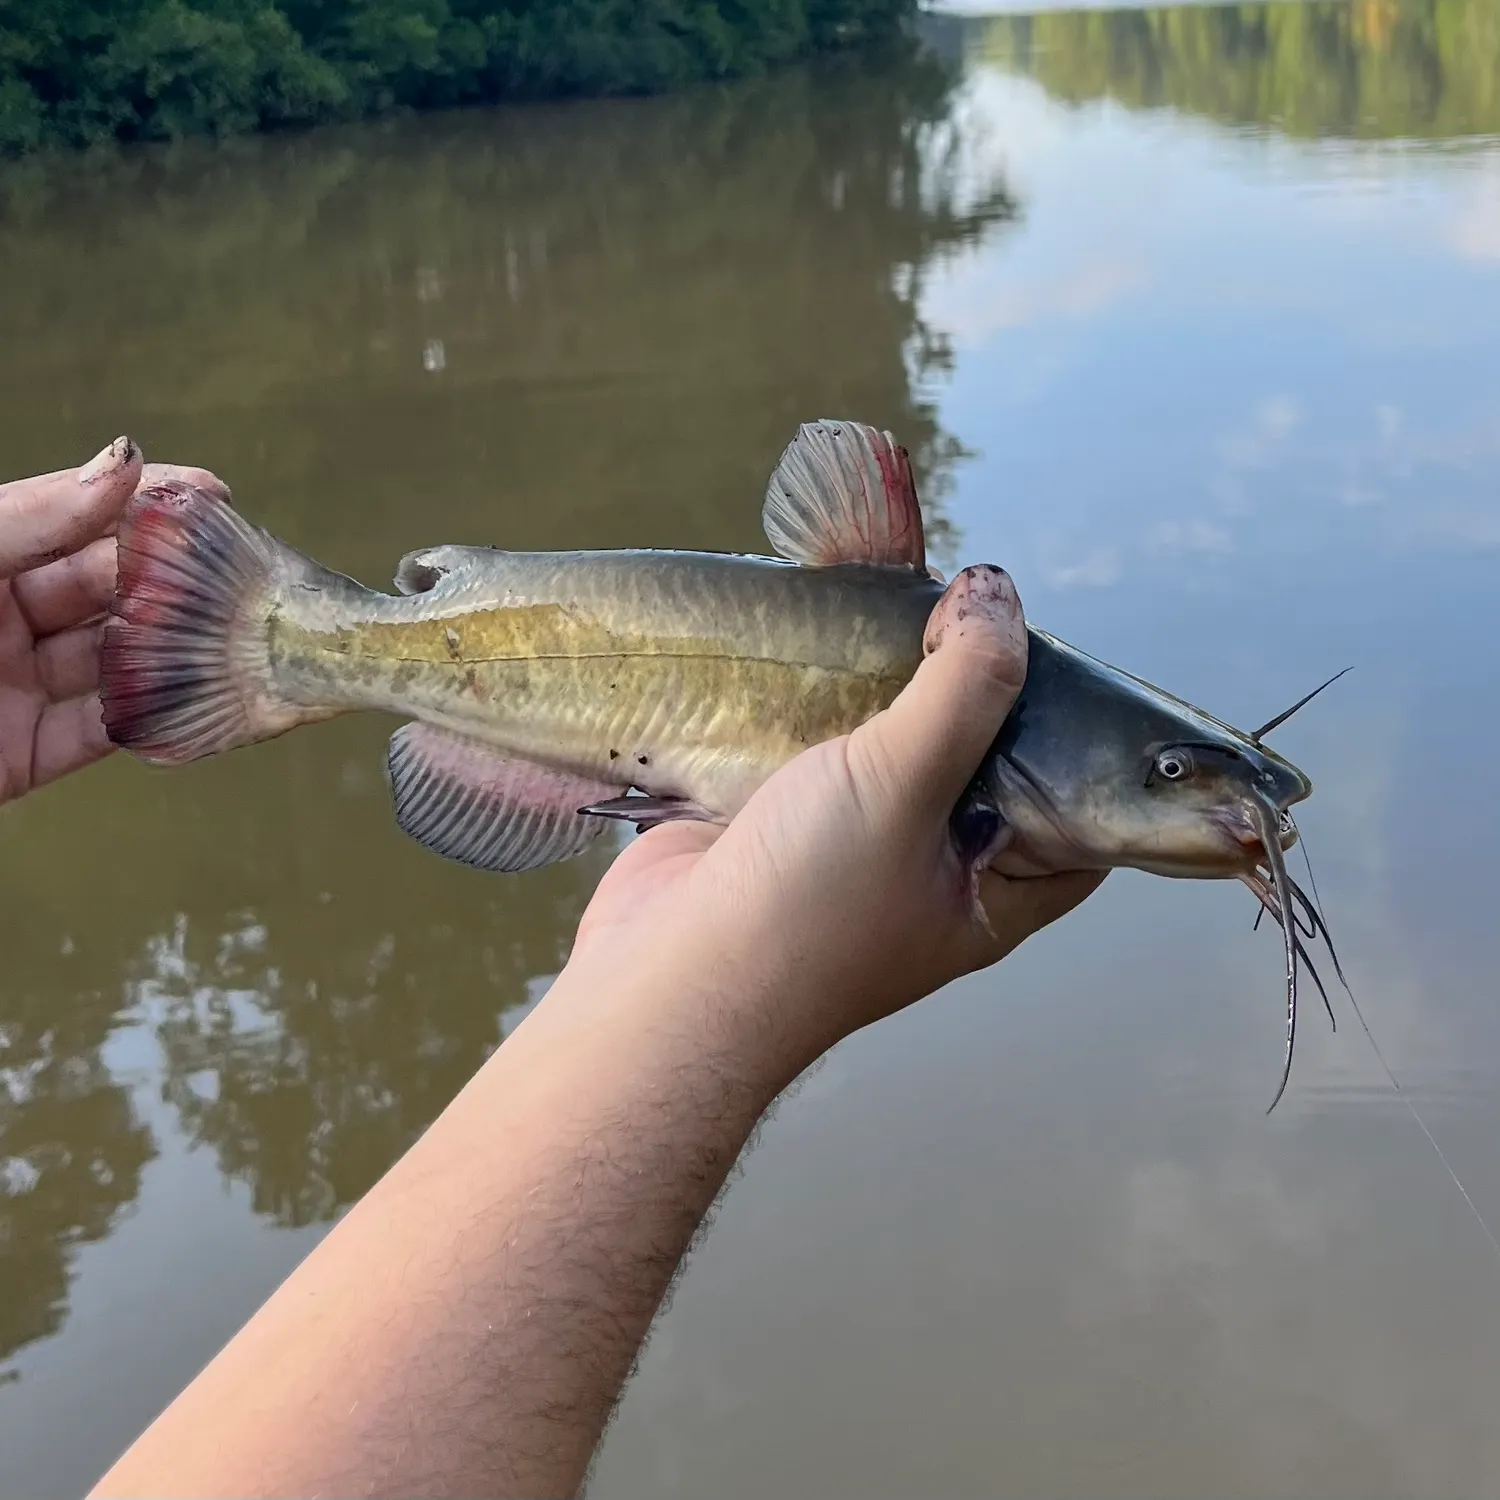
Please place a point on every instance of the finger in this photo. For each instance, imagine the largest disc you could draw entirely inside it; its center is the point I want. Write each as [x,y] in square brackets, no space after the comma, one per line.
[944,721]
[200,479]
[68,663]
[69,591]
[69,736]
[48,517]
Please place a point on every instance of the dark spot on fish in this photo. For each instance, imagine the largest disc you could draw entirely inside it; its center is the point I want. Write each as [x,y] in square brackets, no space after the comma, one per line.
[614,755]
[645,760]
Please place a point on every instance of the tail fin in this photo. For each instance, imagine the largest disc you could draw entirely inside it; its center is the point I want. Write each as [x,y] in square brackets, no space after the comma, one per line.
[186,658]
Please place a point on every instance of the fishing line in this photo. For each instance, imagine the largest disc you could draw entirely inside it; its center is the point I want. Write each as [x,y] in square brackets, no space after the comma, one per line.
[1312,880]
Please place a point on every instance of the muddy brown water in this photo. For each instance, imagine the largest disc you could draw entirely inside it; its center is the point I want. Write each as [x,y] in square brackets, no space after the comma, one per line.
[1192,323]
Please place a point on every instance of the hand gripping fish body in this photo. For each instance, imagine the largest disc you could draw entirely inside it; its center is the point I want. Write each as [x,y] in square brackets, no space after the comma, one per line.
[551,693]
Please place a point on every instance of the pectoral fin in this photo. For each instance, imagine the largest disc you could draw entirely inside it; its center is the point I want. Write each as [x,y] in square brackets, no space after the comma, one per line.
[467,802]
[979,832]
[844,493]
[647,812]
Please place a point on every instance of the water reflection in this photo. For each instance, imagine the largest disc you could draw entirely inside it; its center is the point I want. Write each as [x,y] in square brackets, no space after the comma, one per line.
[71,1145]
[1229,404]
[592,325]
[1234,398]
[701,271]
[308,1048]
[1369,69]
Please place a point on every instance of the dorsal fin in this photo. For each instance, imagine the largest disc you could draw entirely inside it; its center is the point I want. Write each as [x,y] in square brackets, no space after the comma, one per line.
[844,493]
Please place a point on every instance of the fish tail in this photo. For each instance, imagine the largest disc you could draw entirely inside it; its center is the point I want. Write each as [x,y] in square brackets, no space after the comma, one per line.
[187,668]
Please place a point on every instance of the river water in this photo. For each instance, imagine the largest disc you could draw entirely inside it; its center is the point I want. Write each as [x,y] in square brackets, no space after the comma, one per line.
[1191,319]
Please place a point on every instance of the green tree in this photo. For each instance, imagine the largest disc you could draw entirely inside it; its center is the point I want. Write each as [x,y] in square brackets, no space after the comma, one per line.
[78,71]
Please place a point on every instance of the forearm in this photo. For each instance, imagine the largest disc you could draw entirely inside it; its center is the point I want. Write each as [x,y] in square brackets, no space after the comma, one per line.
[467,1328]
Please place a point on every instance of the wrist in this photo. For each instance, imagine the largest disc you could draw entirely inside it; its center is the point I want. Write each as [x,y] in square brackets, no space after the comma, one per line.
[735,1015]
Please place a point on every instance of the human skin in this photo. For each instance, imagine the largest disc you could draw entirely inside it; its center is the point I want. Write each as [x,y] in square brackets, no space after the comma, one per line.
[57,572]
[467,1328]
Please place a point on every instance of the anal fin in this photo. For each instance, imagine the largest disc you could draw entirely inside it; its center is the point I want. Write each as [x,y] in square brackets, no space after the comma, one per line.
[459,798]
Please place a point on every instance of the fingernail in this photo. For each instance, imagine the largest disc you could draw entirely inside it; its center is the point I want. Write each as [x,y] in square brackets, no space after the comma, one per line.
[984,591]
[108,463]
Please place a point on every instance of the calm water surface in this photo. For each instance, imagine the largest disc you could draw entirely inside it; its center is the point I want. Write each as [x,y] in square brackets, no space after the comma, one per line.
[1192,319]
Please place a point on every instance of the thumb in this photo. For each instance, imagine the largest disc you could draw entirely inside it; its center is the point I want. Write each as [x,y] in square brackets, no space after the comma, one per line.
[941,726]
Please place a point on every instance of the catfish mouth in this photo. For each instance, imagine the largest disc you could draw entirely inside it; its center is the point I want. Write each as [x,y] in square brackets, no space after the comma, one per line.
[1223,843]
[1243,826]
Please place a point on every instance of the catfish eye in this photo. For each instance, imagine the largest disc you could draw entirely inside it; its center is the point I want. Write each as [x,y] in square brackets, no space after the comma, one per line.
[1174,765]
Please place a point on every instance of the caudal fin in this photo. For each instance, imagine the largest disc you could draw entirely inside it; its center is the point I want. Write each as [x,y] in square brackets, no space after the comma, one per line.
[186,662]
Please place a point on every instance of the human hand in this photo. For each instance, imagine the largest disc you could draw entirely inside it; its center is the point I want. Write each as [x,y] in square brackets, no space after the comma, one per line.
[836,896]
[57,572]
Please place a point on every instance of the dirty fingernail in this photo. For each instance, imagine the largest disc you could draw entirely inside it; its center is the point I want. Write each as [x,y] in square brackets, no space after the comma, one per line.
[109,462]
[984,592]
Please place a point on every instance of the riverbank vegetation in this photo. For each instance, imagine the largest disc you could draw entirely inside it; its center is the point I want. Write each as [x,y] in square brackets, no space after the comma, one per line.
[75,72]
[1355,69]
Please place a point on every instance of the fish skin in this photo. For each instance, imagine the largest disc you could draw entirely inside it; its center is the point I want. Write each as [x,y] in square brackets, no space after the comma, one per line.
[701,672]
[705,672]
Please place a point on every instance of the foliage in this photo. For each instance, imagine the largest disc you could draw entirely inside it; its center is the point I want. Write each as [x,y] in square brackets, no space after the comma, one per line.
[1372,69]
[74,72]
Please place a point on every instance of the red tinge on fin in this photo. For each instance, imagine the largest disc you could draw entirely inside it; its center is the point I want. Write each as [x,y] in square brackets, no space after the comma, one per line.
[185,668]
[470,803]
[844,493]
